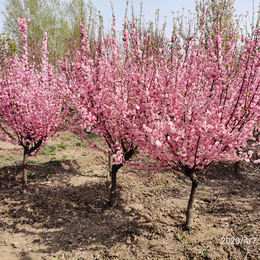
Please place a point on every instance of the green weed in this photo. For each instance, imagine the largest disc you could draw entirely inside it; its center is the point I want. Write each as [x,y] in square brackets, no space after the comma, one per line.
[179,238]
[31,175]
[32,162]
[62,146]
[48,150]
[55,161]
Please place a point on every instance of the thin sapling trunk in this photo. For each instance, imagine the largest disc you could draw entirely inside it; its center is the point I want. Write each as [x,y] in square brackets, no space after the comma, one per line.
[115,168]
[237,168]
[113,194]
[190,208]
[25,161]
[26,154]
[110,162]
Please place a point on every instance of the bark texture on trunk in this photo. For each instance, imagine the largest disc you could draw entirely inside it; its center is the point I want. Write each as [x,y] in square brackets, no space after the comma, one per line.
[115,168]
[110,162]
[190,208]
[113,194]
[25,161]
[27,151]
[237,168]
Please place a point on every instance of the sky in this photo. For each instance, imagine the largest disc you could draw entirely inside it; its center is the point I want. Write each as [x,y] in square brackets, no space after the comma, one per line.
[149,7]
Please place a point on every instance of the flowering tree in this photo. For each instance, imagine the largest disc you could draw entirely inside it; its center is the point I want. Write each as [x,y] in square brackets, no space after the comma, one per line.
[186,106]
[99,99]
[206,104]
[102,94]
[32,101]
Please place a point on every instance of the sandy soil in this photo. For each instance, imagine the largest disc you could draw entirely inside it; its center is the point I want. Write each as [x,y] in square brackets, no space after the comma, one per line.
[64,215]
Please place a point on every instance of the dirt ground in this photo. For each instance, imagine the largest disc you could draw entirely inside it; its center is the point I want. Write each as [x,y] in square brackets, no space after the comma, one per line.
[64,215]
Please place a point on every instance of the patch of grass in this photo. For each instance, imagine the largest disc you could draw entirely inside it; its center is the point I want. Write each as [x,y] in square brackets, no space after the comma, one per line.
[84,154]
[68,138]
[32,162]
[18,163]
[32,175]
[179,238]
[48,150]
[55,161]
[78,144]
[62,146]
[91,170]
[65,156]
[203,252]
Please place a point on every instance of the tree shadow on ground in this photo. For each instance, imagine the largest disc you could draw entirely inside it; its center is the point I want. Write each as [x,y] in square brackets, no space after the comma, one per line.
[10,176]
[60,216]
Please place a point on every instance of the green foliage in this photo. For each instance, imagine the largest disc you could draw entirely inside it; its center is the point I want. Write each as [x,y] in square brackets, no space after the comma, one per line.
[32,175]
[179,238]
[7,49]
[48,150]
[55,161]
[62,146]
[32,162]
[60,19]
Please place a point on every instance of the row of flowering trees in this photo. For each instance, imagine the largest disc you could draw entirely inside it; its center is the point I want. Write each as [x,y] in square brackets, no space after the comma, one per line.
[185,106]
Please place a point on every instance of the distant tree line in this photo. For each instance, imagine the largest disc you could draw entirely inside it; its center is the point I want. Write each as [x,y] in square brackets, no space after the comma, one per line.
[58,18]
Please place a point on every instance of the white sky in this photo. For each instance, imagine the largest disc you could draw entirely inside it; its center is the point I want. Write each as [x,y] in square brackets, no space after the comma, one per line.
[149,7]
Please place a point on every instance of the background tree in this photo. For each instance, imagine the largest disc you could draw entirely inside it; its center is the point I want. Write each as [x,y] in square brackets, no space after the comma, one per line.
[217,12]
[59,19]
[7,49]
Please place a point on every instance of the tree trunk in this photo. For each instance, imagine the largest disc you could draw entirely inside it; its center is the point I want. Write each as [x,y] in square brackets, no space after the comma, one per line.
[237,168]
[115,168]
[113,194]
[25,161]
[110,162]
[27,151]
[190,209]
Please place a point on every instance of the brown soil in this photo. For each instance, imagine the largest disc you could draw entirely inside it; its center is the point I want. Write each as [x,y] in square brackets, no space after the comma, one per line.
[63,214]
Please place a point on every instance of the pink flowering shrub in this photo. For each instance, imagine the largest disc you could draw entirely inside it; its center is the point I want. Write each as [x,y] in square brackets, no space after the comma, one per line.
[32,101]
[99,99]
[186,106]
[206,104]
